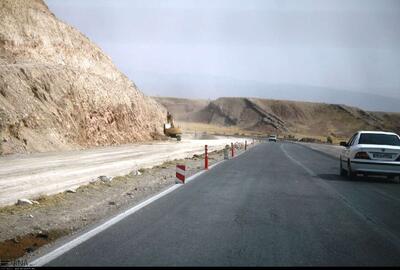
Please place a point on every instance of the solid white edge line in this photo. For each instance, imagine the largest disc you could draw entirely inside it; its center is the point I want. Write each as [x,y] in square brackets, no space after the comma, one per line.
[82,238]
[86,236]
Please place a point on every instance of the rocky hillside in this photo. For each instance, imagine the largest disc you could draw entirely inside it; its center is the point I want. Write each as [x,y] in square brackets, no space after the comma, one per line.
[184,109]
[270,116]
[58,90]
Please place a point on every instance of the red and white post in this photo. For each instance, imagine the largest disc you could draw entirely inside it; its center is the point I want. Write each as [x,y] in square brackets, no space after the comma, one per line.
[180,173]
[206,157]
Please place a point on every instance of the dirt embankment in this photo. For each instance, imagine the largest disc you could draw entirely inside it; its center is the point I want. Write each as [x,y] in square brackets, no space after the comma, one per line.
[29,176]
[59,91]
[283,117]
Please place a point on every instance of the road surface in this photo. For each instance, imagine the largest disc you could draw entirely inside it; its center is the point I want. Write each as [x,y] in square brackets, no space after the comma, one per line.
[29,176]
[278,204]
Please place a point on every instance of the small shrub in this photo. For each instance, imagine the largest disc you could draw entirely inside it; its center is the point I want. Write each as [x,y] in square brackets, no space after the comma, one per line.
[310,140]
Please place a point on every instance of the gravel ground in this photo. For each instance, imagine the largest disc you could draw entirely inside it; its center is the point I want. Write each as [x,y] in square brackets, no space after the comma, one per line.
[43,174]
[66,213]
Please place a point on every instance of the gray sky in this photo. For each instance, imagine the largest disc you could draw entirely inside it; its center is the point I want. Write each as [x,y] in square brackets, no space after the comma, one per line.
[351,45]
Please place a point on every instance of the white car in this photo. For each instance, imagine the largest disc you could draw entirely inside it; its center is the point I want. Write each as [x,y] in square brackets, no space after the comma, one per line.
[371,153]
[272,138]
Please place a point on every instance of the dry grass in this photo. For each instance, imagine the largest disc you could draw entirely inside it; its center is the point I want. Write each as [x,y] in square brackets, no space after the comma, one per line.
[298,136]
[192,127]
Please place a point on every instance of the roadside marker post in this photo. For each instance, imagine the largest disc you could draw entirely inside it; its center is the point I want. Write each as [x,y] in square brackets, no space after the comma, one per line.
[206,158]
[226,151]
[81,238]
[245,145]
[180,174]
[233,152]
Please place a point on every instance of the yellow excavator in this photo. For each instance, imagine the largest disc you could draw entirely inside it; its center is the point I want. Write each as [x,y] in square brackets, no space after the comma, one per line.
[170,130]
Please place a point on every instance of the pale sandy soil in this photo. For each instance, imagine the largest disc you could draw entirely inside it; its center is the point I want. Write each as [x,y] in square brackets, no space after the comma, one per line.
[31,176]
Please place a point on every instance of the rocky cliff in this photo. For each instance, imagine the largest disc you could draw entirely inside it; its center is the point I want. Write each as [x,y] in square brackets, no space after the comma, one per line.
[60,91]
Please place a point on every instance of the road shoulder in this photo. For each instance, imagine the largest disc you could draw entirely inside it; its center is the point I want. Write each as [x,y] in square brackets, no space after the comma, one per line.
[329,150]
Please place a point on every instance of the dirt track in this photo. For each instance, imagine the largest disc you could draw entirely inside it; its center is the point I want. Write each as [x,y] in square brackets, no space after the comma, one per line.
[30,176]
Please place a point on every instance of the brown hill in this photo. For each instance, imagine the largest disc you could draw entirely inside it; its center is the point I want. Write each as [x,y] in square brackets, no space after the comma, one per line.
[184,109]
[285,117]
[58,90]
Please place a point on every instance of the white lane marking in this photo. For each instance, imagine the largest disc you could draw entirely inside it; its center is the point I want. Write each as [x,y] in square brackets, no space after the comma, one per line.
[377,226]
[309,171]
[312,173]
[201,172]
[80,239]
[86,236]
[381,192]
[385,194]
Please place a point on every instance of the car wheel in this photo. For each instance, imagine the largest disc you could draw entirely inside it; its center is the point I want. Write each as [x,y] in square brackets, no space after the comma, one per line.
[342,171]
[350,174]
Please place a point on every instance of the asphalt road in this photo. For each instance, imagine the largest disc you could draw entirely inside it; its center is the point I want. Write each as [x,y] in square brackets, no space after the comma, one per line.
[279,204]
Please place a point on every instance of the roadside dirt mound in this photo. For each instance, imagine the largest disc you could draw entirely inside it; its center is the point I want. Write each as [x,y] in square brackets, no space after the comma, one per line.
[58,90]
[307,118]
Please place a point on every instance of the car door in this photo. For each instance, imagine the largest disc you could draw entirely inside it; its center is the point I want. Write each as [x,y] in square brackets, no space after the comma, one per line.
[346,151]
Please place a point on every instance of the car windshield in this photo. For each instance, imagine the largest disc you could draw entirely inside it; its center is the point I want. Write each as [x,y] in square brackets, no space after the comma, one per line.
[383,139]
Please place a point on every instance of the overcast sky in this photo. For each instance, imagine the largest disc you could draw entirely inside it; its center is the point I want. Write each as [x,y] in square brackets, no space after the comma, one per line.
[344,44]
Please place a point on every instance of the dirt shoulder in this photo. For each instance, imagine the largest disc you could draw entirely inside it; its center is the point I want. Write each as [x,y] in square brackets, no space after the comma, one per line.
[23,229]
[32,176]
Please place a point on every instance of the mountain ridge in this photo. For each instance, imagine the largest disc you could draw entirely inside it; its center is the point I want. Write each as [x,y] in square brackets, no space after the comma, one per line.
[284,116]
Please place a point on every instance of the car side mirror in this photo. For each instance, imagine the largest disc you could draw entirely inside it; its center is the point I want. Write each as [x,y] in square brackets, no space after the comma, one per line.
[343,144]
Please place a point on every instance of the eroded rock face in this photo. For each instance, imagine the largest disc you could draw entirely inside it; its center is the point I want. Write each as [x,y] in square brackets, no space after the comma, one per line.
[59,91]
[283,116]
